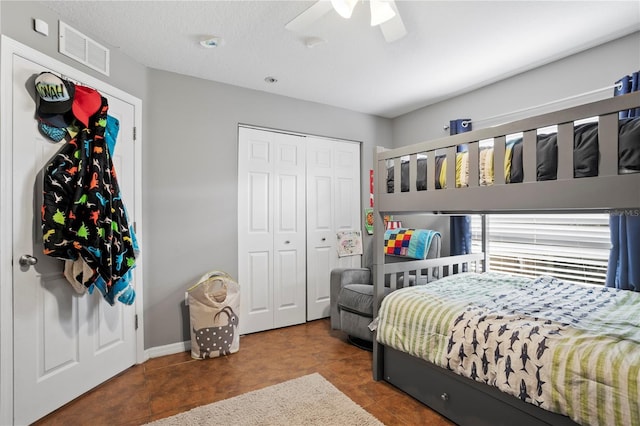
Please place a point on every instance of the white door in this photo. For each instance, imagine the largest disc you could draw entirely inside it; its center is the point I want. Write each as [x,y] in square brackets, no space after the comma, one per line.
[333,204]
[271,230]
[64,344]
[289,223]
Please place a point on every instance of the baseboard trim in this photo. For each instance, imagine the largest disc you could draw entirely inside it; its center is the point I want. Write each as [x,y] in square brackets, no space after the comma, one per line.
[170,349]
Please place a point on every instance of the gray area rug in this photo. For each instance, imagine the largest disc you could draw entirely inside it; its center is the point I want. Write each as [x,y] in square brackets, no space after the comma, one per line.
[307,400]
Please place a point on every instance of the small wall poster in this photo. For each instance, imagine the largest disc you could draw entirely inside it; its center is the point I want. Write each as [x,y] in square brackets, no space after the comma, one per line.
[349,243]
[368,220]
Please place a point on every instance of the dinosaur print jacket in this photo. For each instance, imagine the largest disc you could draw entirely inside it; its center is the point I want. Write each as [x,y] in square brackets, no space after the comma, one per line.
[82,212]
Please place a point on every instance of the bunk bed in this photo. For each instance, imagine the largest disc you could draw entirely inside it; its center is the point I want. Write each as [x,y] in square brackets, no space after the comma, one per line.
[434,364]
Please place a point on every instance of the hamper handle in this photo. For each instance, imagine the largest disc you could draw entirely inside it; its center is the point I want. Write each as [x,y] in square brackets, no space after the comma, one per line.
[208,276]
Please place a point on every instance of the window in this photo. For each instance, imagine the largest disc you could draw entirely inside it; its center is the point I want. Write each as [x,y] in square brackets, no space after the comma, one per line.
[572,247]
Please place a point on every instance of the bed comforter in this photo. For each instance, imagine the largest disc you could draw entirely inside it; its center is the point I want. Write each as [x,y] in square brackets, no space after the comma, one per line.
[568,348]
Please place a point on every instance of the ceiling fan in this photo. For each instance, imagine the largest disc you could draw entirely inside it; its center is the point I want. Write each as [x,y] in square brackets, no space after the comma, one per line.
[384,13]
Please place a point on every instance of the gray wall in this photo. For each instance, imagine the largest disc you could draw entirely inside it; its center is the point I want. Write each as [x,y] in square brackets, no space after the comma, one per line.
[190,190]
[583,72]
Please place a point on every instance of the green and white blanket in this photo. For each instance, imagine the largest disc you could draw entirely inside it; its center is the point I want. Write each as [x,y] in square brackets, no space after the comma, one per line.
[568,348]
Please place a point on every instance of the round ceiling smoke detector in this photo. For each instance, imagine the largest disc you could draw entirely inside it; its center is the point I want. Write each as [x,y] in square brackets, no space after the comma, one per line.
[212,42]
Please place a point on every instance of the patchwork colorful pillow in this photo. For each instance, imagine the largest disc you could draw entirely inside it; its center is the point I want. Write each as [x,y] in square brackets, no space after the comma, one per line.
[407,242]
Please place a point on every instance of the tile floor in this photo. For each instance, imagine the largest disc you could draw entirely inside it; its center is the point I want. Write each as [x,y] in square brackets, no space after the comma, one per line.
[168,385]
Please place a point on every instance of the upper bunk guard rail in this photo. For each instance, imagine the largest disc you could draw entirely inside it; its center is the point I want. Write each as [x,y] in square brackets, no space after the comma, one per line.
[564,194]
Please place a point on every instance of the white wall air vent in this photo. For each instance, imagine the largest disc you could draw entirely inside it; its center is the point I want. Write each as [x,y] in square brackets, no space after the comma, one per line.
[81,48]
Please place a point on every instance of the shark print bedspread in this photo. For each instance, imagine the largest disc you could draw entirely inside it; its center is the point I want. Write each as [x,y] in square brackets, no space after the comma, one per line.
[568,348]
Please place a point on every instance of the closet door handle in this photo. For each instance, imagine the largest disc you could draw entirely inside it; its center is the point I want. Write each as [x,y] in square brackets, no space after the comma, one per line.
[287,242]
[324,239]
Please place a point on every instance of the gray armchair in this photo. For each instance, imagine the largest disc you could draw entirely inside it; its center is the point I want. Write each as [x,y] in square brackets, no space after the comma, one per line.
[351,298]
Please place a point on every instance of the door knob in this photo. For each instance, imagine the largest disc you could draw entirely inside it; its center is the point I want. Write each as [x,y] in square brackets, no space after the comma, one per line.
[27,260]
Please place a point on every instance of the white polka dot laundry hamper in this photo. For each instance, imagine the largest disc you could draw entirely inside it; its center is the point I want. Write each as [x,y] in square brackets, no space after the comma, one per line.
[214,303]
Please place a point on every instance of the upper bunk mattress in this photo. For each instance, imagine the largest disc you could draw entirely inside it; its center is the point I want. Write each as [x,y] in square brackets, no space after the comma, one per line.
[568,348]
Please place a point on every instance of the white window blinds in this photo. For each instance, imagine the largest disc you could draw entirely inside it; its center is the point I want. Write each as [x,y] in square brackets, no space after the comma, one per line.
[572,247]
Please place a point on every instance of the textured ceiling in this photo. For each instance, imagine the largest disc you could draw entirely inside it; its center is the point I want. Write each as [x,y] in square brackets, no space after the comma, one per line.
[451,47]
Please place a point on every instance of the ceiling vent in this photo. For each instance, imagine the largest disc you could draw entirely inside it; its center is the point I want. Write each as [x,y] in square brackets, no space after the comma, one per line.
[81,48]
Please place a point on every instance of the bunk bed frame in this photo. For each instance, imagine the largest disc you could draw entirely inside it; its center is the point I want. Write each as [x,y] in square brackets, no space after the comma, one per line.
[460,399]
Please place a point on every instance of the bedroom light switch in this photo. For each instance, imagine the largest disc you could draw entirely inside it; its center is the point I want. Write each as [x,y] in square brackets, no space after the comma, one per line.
[186,298]
[41,27]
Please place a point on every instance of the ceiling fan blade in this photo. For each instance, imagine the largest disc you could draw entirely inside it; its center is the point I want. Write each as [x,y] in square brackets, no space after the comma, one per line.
[309,16]
[393,29]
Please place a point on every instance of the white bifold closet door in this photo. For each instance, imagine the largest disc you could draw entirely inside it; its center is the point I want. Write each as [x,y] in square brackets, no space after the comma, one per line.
[271,230]
[333,204]
[294,194]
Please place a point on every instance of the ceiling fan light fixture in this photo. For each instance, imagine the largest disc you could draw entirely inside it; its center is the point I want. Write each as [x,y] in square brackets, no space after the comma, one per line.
[381,12]
[344,7]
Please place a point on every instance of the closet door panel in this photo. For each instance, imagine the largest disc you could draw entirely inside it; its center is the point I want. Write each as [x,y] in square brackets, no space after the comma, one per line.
[347,186]
[320,233]
[344,217]
[318,273]
[289,293]
[258,288]
[322,202]
[347,194]
[333,204]
[258,193]
[287,199]
[320,207]
[255,230]
[259,236]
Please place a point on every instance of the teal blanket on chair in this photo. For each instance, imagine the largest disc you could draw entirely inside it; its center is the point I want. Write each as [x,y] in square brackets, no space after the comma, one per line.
[406,242]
